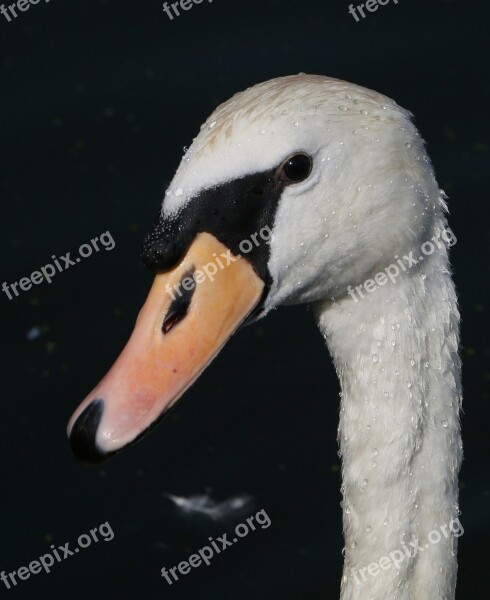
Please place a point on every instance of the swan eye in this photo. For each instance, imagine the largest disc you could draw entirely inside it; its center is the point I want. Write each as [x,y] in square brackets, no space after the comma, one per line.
[296,168]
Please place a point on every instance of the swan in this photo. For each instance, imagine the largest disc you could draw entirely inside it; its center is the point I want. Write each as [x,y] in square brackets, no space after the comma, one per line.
[308,189]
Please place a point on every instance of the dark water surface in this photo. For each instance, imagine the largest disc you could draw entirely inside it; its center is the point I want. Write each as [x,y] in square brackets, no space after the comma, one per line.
[97,100]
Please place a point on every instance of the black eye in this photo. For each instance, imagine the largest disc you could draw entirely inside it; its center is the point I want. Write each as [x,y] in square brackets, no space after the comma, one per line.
[296,168]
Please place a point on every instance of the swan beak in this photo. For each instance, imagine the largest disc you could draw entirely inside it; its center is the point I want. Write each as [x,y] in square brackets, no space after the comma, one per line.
[188,316]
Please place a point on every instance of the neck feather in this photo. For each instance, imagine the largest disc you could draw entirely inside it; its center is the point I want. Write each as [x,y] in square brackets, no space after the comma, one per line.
[396,355]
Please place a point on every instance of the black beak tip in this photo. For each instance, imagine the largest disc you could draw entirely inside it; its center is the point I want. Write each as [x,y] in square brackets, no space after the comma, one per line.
[83,434]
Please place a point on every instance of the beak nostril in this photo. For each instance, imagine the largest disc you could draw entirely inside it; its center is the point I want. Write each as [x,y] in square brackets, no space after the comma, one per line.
[180,304]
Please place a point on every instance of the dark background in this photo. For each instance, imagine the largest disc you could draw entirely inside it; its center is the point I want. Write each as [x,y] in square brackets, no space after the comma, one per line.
[97,100]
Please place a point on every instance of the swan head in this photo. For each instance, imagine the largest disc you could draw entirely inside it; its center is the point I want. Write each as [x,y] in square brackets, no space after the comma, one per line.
[292,191]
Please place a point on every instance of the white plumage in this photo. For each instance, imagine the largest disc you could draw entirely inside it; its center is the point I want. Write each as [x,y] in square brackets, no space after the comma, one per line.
[370,200]
[362,237]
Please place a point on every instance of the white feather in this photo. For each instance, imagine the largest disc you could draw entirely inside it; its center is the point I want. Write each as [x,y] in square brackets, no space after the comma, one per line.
[372,196]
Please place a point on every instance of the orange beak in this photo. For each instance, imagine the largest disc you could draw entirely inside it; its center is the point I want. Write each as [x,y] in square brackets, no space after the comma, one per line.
[187,318]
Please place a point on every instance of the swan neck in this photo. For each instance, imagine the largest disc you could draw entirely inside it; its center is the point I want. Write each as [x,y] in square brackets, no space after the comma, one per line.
[396,355]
